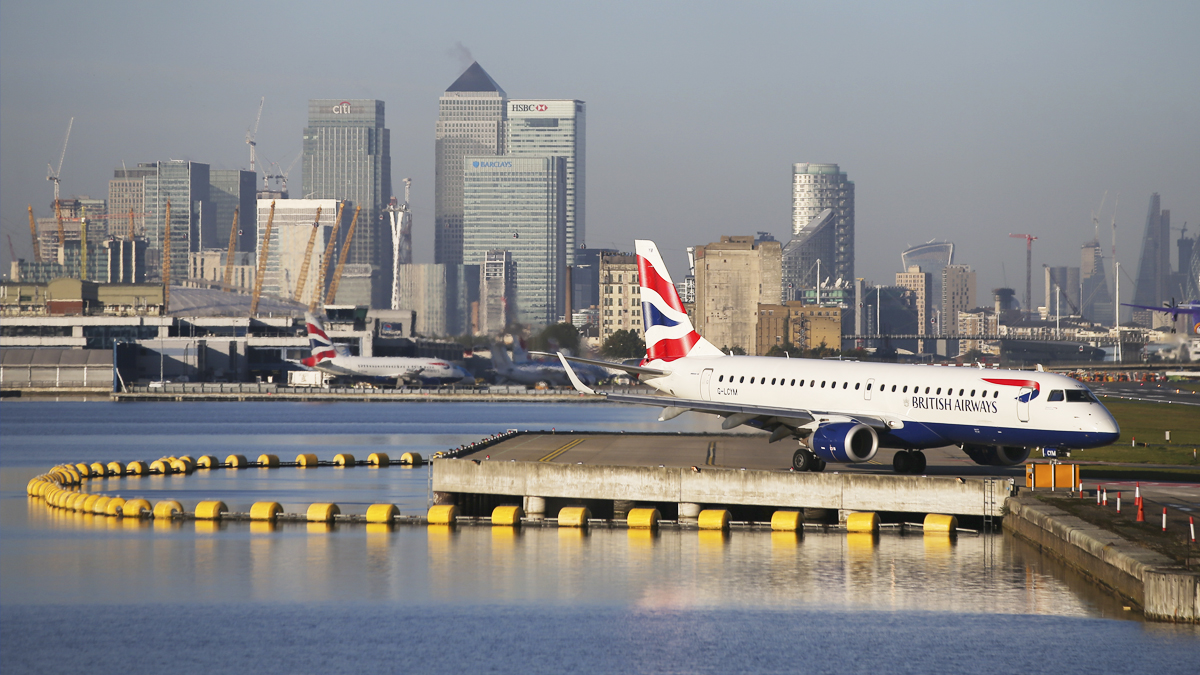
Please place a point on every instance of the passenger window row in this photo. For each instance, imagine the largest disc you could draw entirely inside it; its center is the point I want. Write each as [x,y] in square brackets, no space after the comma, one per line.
[1071,395]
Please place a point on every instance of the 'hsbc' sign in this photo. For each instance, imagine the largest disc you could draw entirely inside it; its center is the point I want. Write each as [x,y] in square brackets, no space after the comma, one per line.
[528,107]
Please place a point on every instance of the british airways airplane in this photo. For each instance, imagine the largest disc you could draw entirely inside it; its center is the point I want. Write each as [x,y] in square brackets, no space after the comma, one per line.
[335,359]
[844,411]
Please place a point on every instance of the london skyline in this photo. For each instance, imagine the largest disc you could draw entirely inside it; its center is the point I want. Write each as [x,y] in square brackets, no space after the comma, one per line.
[954,123]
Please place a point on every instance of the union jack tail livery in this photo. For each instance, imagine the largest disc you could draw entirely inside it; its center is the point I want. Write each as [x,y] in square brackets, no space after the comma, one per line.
[669,331]
[322,347]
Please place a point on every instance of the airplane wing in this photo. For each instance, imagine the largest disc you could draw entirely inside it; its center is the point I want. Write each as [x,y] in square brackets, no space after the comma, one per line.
[327,367]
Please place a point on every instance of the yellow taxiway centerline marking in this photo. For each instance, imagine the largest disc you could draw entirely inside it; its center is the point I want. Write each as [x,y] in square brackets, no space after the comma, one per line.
[552,456]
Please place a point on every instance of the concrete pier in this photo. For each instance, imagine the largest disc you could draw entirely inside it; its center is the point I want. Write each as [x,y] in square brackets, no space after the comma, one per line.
[717,486]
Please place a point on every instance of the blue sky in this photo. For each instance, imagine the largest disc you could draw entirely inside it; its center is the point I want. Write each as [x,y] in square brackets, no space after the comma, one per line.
[964,121]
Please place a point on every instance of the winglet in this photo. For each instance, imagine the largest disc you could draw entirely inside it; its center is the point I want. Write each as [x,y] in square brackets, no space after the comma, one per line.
[580,386]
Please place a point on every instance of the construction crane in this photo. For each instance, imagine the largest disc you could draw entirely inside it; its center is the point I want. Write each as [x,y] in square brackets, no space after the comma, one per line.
[52,173]
[279,175]
[37,247]
[11,250]
[1096,217]
[166,268]
[232,246]
[62,235]
[401,221]
[312,239]
[1029,239]
[251,134]
[337,273]
[318,295]
[263,252]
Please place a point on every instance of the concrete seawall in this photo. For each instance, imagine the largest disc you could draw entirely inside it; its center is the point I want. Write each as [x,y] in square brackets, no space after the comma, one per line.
[1164,590]
[829,490]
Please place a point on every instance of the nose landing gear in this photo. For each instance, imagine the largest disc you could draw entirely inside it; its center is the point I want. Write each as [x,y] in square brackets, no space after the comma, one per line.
[909,461]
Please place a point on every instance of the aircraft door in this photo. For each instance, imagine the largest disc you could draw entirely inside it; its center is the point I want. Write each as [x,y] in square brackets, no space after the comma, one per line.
[1023,403]
[705,383]
[867,391]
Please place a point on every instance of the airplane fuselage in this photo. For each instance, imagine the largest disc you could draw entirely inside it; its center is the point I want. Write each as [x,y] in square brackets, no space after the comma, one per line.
[392,368]
[923,406]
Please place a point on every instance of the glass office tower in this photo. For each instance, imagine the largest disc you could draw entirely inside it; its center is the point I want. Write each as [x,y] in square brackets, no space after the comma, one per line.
[554,128]
[470,122]
[518,204]
[185,184]
[347,156]
[229,189]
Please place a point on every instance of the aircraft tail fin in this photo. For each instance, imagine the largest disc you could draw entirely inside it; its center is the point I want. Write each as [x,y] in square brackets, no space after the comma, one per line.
[500,360]
[669,331]
[320,344]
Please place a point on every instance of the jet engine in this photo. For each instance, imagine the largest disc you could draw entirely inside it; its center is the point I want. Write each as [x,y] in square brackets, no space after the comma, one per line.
[996,455]
[845,442]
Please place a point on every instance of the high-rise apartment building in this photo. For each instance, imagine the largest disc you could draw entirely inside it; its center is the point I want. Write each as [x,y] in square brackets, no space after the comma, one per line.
[554,128]
[807,258]
[517,204]
[291,228]
[497,292]
[733,277]
[620,295]
[185,185]
[471,115]
[347,157]
[931,257]
[230,189]
[1096,301]
[816,187]
[958,295]
[125,196]
[1065,299]
[921,284]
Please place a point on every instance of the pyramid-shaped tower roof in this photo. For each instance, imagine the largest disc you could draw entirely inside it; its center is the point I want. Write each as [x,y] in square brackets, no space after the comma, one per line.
[476,78]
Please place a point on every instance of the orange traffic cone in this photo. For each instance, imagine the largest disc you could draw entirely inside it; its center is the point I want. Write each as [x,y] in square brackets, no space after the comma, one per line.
[1141,517]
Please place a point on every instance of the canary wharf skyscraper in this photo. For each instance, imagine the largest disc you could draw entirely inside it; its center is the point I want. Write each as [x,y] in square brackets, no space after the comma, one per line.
[471,116]
[347,156]
[816,187]
[554,128]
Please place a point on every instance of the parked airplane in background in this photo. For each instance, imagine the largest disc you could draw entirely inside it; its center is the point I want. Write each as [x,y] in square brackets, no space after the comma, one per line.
[336,360]
[522,370]
[1190,308]
[844,411]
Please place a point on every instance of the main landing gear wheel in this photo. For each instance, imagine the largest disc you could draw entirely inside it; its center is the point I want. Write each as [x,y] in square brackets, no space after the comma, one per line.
[818,465]
[909,461]
[804,460]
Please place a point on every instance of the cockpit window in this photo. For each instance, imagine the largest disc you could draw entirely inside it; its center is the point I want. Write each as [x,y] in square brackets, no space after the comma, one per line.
[1080,396]
[1056,395]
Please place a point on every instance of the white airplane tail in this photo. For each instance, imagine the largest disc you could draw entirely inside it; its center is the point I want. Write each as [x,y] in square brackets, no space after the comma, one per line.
[669,331]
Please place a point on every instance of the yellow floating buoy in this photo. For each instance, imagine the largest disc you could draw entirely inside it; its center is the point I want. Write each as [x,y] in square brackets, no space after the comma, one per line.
[76,503]
[268,461]
[182,465]
[210,510]
[115,469]
[862,522]
[382,513]
[574,516]
[32,487]
[940,524]
[322,513]
[713,519]
[787,521]
[236,462]
[343,459]
[134,508]
[137,469]
[265,511]
[188,458]
[306,460]
[442,514]
[378,459]
[412,459]
[83,470]
[88,503]
[100,505]
[114,507]
[166,509]
[98,469]
[162,466]
[643,519]
[207,462]
[507,515]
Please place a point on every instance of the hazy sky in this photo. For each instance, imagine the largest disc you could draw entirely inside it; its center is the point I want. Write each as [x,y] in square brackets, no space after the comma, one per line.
[956,120]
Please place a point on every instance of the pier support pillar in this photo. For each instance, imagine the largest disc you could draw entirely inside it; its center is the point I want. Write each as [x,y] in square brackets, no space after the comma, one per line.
[621,508]
[535,507]
[688,511]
